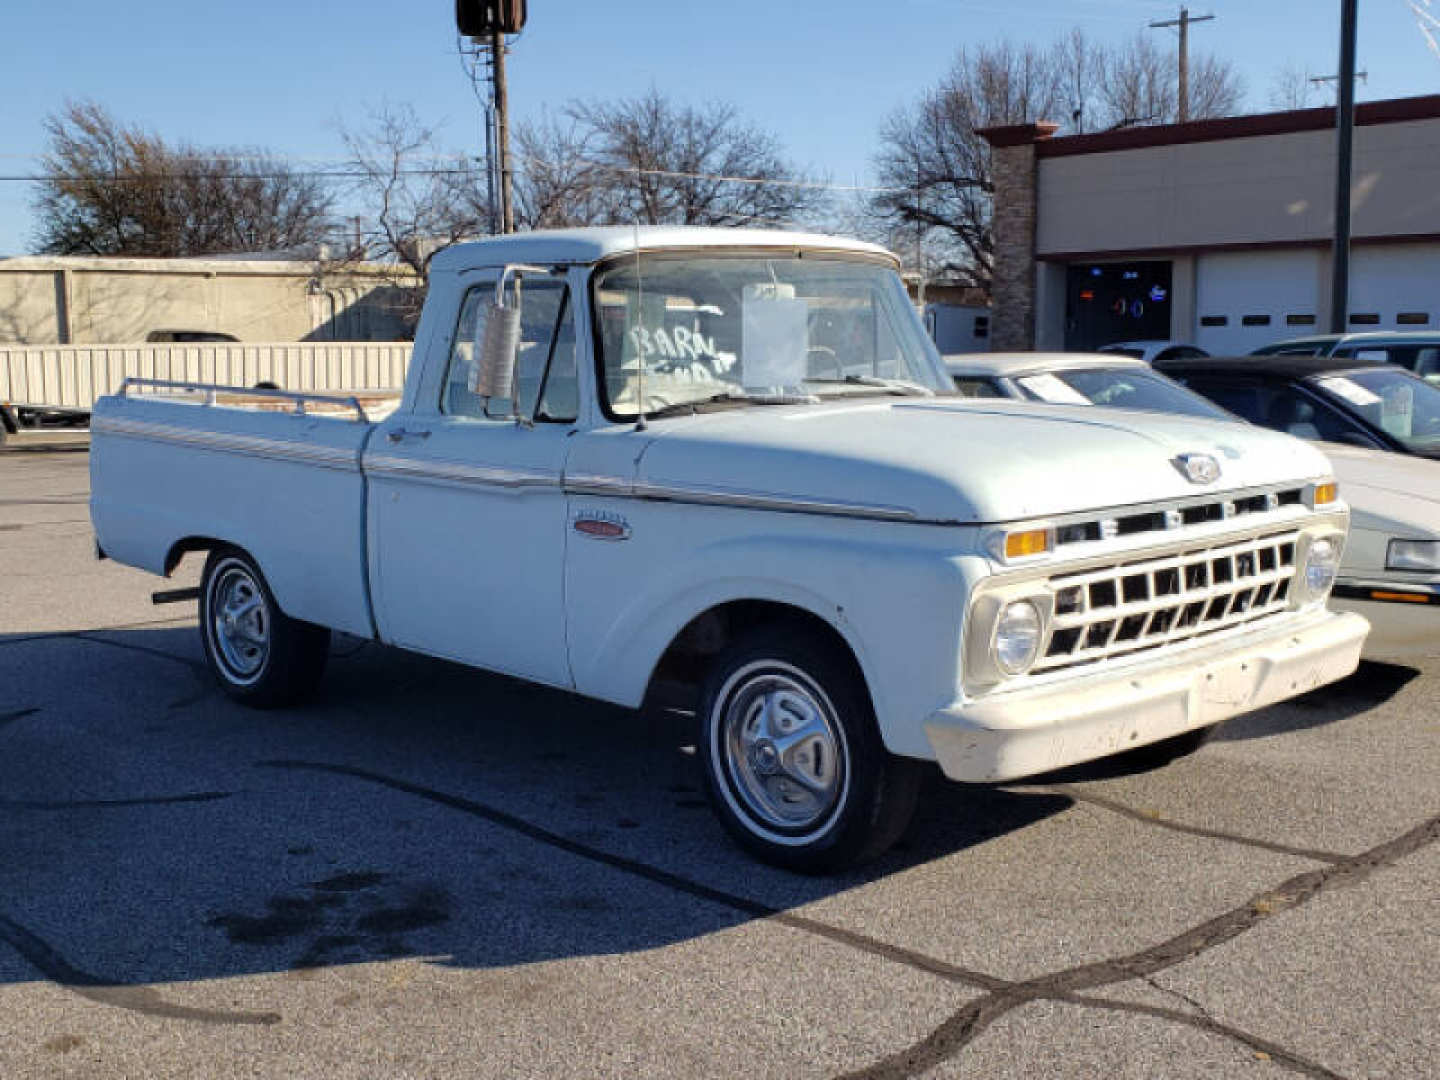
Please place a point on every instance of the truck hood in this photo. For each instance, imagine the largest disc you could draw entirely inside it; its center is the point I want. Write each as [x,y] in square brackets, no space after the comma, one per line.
[962,461]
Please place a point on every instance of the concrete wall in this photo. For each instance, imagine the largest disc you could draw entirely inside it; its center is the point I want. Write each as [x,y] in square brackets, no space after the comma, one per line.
[1261,189]
[81,301]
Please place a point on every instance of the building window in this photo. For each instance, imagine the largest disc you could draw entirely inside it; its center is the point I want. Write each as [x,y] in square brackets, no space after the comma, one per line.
[1214,320]
[1299,320]
[1413,318]
[1365,318]
[1255,320]
[982,326]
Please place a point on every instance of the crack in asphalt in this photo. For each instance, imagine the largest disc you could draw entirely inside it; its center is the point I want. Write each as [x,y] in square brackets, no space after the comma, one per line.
[18,714]
[955,1034]
[110,804]
[85,635]
[1202,1021]
[1145,818]
[140,999]
[744,905]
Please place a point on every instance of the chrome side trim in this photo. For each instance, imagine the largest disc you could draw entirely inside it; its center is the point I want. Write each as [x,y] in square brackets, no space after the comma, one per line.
[459,473]
[613,487]
[326,457]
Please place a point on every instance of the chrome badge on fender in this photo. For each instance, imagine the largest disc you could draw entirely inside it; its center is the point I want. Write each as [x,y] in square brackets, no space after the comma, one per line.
[1197,468]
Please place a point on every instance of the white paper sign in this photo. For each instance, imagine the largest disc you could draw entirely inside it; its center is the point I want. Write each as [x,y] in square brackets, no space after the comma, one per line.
[1053,389]
[774,337]
[1350,390]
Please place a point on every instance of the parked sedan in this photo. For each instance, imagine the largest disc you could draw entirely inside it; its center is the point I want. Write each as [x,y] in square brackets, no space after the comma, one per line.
[1390,571]
[1417,350]
[1152,350]
[1335,399]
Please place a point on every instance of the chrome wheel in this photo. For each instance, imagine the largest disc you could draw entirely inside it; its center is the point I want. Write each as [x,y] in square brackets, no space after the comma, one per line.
[782,749]
[239,622]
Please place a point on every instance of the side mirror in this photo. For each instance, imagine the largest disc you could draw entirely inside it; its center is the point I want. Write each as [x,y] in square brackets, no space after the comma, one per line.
[498,347]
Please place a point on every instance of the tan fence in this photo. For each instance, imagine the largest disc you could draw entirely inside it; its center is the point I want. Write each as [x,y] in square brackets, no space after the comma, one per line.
[73,376]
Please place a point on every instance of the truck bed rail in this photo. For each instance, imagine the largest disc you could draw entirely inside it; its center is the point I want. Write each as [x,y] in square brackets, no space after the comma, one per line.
[215,394]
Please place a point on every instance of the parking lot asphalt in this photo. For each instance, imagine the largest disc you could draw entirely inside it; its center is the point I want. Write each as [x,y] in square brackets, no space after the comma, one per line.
[431,871]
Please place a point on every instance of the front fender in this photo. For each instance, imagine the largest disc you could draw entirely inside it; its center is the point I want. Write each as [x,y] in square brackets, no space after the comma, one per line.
[897,603]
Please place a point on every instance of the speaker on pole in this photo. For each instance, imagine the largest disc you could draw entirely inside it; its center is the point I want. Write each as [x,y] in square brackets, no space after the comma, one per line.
[480,18]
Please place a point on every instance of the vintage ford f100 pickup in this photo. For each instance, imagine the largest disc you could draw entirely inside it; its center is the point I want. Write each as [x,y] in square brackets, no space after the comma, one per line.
[732,461]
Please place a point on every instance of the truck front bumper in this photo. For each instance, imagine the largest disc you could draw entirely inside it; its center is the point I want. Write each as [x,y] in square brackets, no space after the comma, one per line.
[1012,734]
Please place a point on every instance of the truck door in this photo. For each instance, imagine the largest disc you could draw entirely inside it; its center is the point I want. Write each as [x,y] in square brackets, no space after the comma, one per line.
[467,515]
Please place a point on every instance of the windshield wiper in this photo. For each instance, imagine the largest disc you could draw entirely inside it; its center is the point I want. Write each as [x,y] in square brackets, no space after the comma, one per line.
[727,398]
[903,387]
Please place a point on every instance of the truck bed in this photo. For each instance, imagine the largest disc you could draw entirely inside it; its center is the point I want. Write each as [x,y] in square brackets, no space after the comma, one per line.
[276,473]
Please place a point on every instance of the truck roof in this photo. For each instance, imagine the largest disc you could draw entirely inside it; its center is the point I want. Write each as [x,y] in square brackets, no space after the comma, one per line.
[548,247]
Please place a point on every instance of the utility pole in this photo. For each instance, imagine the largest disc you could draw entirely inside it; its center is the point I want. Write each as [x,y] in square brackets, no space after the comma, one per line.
[1344,152]
[486,22]
[1183,22]
[502,129]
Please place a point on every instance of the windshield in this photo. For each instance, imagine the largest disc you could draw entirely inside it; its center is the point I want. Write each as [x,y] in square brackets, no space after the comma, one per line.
[753,329]
[1397,403]
[1121,388]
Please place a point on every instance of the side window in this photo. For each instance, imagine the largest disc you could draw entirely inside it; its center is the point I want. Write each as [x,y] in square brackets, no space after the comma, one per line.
[1238,398]
[976,386]
[544,369]
[1297,414]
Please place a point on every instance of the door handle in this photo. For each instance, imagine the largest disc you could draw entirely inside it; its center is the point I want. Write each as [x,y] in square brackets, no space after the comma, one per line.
[396,434]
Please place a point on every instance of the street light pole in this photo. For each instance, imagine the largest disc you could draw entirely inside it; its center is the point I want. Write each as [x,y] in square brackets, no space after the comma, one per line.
[1344,153]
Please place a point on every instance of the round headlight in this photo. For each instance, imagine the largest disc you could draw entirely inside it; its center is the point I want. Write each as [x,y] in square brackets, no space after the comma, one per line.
[1017,637]
[1322,562]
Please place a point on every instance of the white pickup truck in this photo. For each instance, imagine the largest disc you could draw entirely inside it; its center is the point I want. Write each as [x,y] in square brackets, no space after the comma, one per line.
[733,461]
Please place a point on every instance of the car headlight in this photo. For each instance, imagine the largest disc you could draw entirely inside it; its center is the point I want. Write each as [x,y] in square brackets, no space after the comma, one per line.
[1413,555]
[1017,637]
[1322,562]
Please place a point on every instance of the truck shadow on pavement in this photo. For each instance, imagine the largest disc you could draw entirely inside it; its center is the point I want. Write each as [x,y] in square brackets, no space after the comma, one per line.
[151,831]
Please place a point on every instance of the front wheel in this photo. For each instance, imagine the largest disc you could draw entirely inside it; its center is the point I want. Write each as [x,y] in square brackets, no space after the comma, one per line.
[258,654]
[793,759]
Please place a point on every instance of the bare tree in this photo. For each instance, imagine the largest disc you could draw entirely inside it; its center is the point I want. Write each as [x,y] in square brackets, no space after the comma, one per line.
[1138,84]
[557,185]
[657,162]
[937,169]
[416,200]
[109,189]
[1291,88]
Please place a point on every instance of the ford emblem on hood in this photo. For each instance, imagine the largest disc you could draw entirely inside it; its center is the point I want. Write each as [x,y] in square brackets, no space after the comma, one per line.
[1198,468]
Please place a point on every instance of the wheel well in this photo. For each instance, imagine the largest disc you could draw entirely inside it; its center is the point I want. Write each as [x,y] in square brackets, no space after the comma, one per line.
[181,548]
[676,680]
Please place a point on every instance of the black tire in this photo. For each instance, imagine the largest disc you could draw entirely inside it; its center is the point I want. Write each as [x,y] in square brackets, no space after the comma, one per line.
[259,655]
[841,798]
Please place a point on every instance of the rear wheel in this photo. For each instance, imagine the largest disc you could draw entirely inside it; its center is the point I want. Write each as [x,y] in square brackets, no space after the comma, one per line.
[793,758]
[258,654]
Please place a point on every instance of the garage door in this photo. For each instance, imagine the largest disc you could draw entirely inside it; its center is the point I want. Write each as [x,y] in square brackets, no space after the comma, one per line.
[1395,288]
[1247,299]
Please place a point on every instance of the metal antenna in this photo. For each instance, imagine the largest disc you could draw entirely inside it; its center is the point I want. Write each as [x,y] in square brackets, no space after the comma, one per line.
[640,424]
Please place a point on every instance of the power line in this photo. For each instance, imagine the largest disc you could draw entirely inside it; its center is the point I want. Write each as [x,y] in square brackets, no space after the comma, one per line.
[360,174]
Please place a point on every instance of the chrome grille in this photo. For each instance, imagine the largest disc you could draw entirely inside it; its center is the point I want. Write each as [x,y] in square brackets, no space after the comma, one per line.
[1130,606]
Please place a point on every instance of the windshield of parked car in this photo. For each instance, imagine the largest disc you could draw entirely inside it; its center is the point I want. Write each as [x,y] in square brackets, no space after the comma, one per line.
[703,330]
[1121,388]
[1399,404]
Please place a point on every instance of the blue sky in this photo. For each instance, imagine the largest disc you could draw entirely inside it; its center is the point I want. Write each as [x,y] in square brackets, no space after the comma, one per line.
[821,75]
